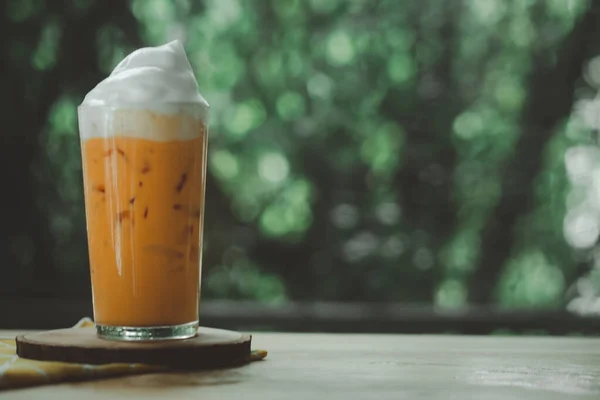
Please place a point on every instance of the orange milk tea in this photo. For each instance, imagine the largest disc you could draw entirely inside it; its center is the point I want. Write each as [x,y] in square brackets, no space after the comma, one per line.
[144,179]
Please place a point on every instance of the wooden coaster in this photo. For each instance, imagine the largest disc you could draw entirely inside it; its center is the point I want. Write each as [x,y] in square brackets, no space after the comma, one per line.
[211,348]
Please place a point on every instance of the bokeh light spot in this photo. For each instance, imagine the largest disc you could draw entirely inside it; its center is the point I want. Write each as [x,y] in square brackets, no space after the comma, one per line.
[273,167]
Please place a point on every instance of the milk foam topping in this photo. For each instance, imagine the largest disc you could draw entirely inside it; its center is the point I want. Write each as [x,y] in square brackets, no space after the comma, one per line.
[149,83]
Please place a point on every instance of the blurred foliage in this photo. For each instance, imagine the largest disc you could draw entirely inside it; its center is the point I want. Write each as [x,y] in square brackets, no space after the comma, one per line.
[359,150]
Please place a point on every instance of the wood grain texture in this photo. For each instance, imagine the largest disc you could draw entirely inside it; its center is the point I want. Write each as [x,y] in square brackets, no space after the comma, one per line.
[211,348]
[382,367]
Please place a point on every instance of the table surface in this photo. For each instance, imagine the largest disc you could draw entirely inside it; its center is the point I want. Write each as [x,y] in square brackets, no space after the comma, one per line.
[315,366]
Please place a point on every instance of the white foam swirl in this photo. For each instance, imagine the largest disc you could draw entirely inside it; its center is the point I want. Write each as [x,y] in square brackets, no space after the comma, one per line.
[150,77]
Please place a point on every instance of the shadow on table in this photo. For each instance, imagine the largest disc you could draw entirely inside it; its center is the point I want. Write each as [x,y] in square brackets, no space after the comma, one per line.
[167,380]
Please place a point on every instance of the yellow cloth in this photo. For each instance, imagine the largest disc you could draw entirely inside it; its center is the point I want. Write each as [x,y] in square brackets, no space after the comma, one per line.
[19,372]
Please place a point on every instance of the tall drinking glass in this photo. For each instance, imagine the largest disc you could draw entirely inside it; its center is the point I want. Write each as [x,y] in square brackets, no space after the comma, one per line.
[144,180]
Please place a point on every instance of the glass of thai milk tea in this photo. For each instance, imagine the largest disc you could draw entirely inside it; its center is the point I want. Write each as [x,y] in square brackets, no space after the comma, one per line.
[143,141]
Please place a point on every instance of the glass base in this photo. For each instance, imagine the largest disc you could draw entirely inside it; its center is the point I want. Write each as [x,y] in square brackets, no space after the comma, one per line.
[141,333]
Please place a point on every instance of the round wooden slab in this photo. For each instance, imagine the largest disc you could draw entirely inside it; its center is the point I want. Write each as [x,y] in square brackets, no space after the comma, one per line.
[211,348]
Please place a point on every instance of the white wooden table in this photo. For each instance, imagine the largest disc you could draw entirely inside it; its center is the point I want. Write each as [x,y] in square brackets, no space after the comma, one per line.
[310,367]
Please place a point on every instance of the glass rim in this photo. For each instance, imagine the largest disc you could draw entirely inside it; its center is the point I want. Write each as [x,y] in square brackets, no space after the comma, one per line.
[144,106]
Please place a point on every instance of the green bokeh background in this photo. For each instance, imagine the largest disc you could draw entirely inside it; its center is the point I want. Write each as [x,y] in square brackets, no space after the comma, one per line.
[408,151]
